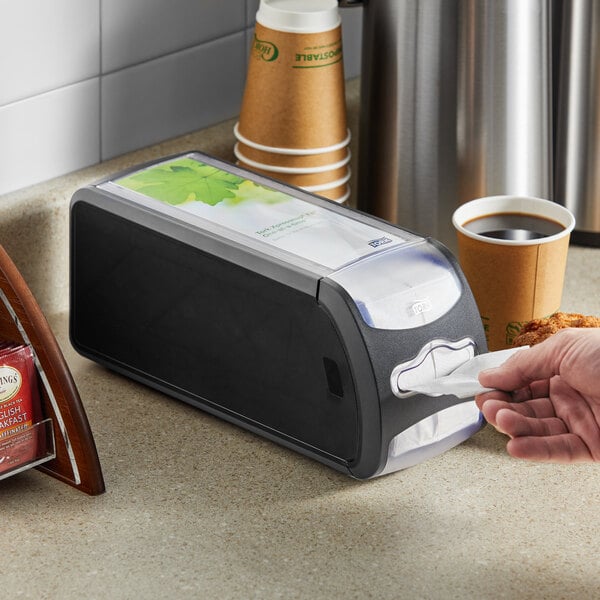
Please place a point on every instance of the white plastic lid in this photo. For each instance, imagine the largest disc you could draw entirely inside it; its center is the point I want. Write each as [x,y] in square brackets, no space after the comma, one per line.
[299,16]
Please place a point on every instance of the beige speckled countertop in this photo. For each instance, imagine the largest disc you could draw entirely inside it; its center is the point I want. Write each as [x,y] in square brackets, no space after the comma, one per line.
[197,508]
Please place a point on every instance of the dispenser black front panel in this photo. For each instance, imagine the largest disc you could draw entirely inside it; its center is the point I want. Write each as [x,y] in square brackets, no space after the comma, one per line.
[213,333]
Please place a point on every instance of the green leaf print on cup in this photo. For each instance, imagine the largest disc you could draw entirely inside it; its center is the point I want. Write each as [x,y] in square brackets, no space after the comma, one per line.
[187,180]
[512,331]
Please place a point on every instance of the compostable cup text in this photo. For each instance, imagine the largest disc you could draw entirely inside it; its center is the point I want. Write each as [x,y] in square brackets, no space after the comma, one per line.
[513,280]
[294,95]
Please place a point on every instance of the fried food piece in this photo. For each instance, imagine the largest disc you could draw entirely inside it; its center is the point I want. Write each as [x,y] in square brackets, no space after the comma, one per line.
[538,330]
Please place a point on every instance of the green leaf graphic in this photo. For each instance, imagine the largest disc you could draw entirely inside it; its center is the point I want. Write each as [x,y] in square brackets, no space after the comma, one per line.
[184,180]
[249,190]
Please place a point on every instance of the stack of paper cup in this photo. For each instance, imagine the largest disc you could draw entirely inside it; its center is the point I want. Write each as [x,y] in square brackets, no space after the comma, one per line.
[292,124]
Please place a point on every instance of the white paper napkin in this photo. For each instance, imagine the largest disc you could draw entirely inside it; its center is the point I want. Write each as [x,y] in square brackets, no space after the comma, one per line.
[464,382]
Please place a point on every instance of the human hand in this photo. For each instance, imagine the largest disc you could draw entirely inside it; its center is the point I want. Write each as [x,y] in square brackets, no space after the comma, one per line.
[551,404]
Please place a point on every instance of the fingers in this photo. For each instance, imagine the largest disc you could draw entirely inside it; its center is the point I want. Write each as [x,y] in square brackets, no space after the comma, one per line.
[544,439]
[540,408]
[536,363]
[565,448]
[574,354]
[517,425]
[536,389]
[538,434]
[481,399]
[532,418]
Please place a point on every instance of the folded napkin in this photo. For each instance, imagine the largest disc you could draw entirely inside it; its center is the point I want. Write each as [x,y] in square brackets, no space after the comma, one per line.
[463,382]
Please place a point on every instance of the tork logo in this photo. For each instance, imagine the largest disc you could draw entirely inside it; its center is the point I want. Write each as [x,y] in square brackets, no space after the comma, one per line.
[421,306]
[379,242]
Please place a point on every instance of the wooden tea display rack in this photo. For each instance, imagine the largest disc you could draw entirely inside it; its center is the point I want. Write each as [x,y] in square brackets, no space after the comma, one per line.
[74,459]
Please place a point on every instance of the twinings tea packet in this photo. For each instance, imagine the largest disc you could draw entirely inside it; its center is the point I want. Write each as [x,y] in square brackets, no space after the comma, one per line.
[19,406]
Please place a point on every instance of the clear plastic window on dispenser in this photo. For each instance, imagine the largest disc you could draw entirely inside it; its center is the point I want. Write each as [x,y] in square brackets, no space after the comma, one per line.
[404,288]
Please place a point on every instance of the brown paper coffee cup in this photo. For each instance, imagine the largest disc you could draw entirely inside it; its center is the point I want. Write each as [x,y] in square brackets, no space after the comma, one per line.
[302,180]
[278,168]
[290,160]
[513,281]
[294,95]
[339,194]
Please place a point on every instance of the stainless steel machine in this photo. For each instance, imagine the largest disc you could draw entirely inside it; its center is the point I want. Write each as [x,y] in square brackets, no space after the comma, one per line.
[455,105]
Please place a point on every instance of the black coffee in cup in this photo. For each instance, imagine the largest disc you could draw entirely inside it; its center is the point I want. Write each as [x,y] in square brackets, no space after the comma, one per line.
[514,226]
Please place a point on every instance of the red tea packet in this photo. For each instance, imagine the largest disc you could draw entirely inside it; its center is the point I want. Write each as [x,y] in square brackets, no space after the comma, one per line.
[19,406]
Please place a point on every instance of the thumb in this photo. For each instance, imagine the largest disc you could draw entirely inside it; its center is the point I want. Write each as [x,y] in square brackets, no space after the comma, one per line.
[531,364]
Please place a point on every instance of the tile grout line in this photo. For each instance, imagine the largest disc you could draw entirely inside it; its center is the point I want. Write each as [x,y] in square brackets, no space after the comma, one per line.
[100,76]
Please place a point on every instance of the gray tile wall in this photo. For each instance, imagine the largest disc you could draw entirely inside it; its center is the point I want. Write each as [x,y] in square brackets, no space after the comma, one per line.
[82,81]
